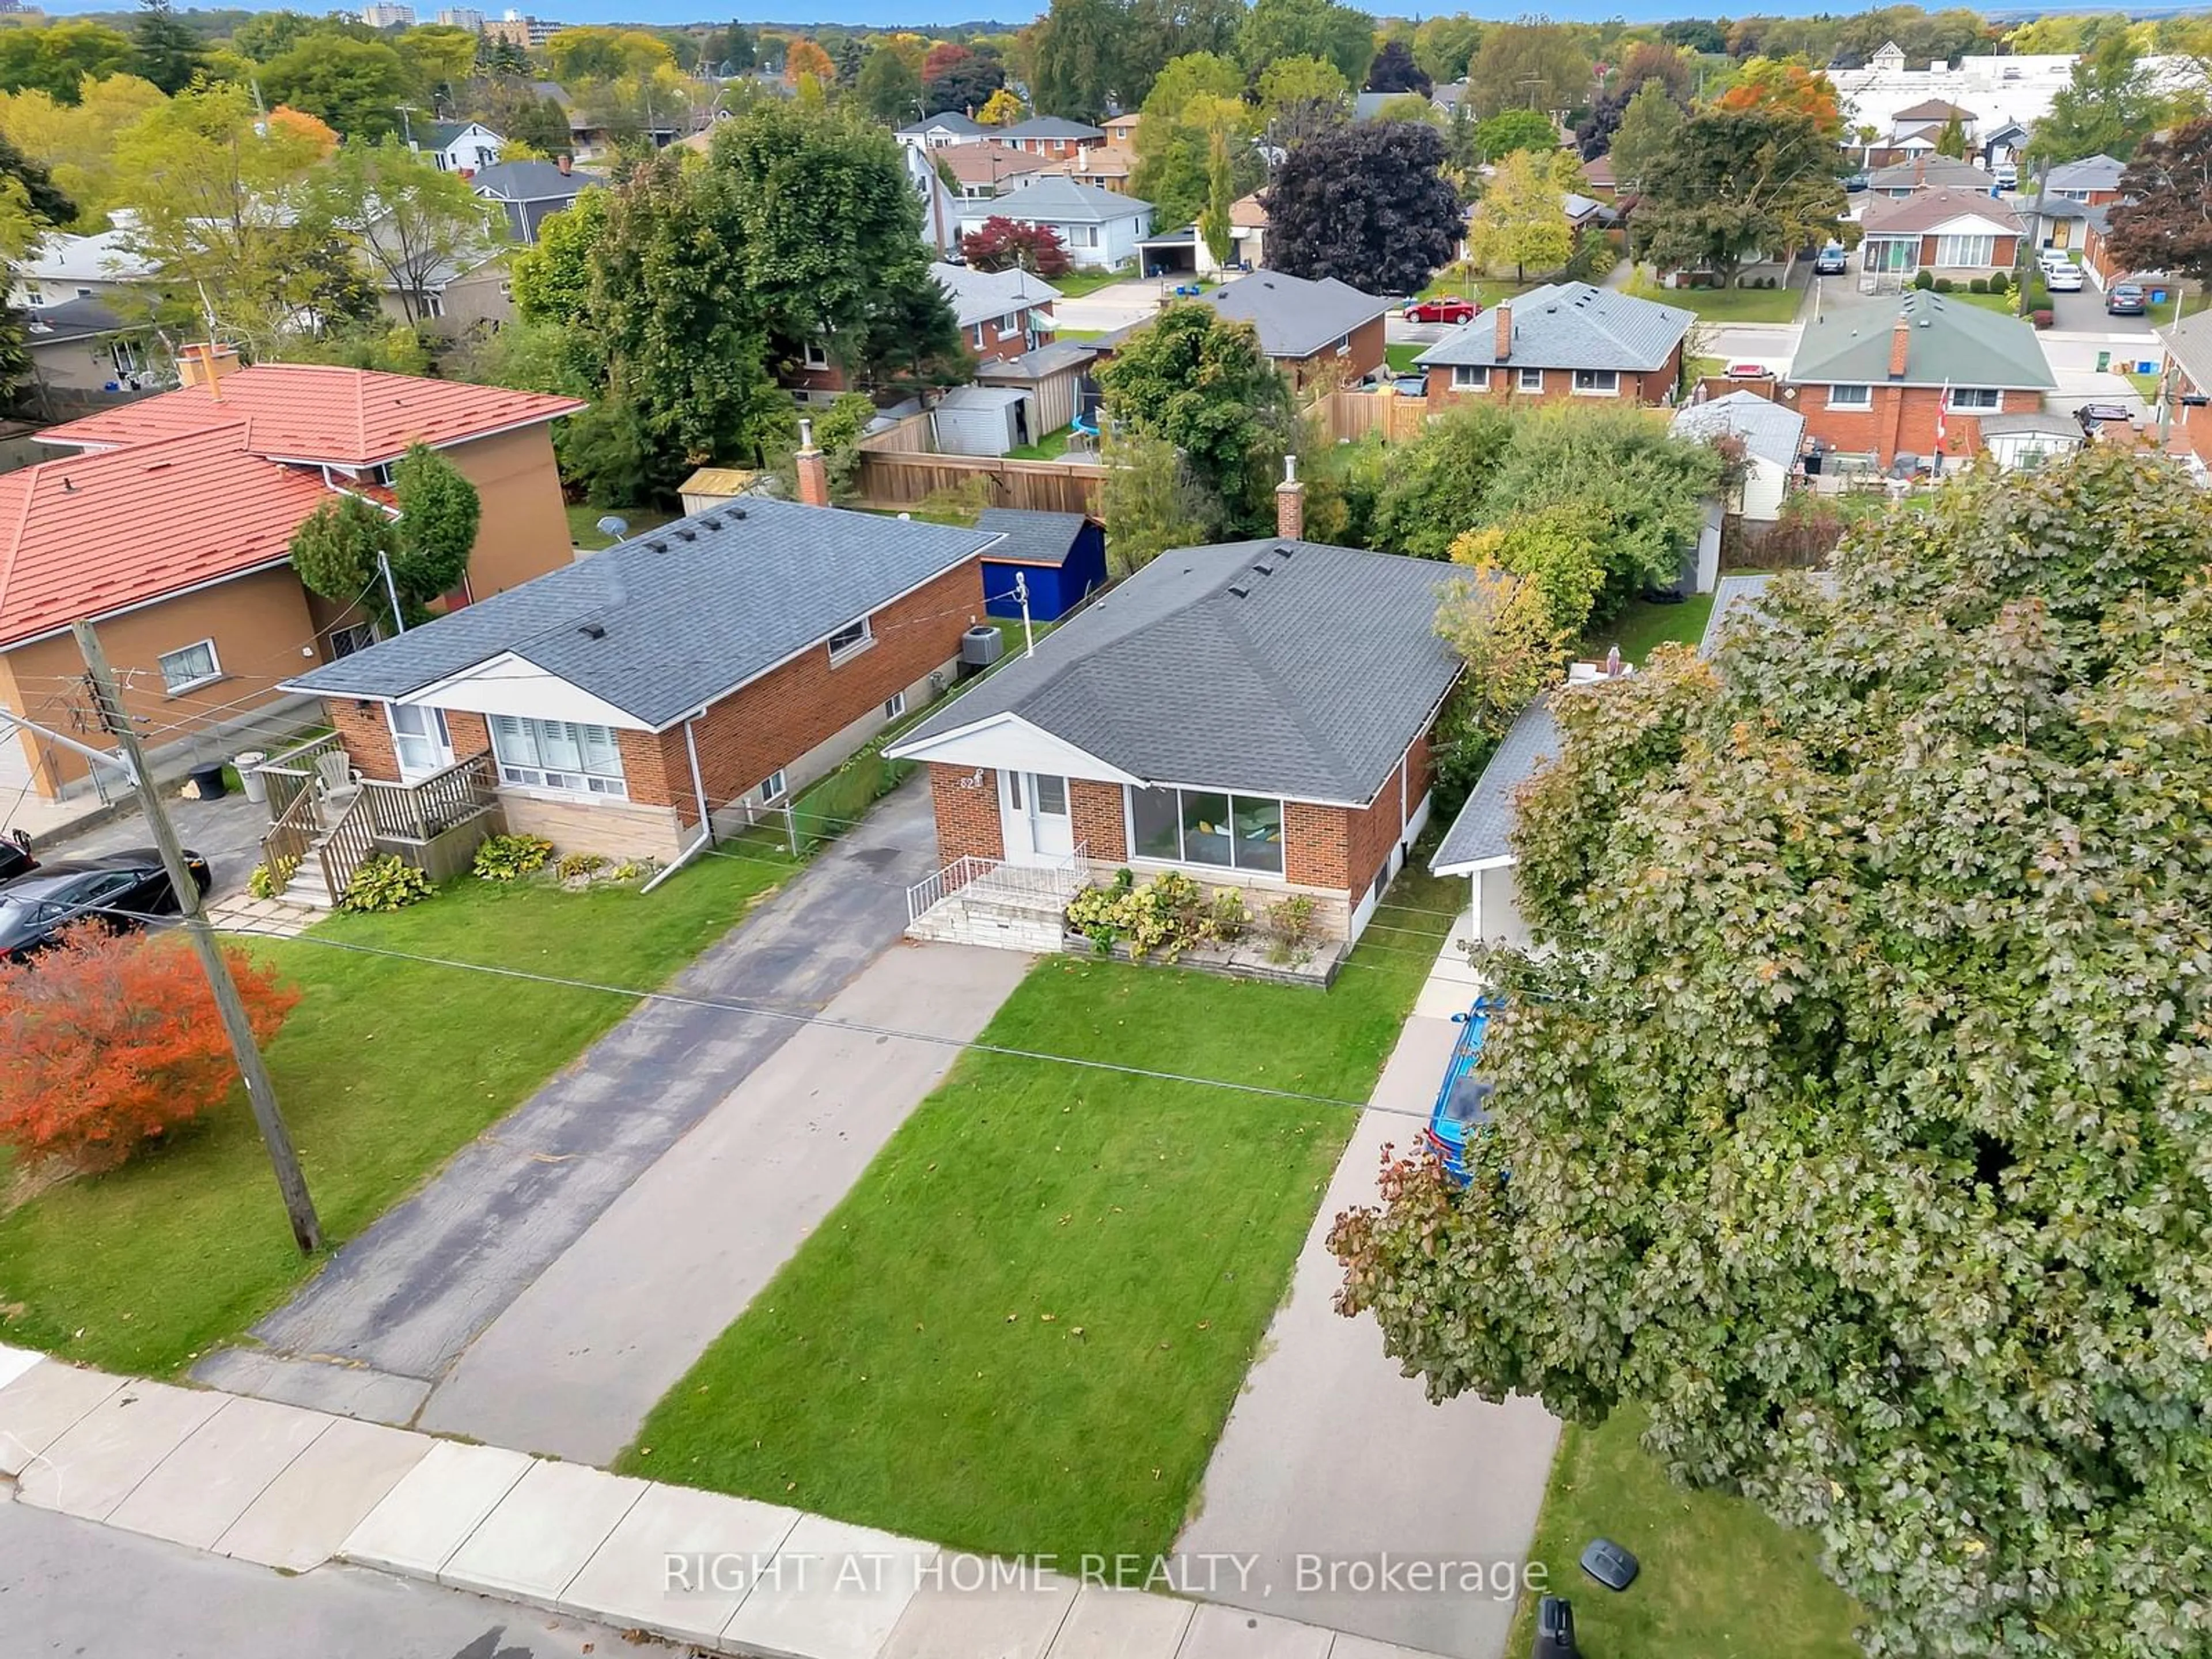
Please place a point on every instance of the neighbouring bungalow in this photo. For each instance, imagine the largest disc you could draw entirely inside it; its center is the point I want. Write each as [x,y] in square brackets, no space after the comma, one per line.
[2068,194]
[1258,714]
[1311,330]
[170,524]
[1929,173]
[1100,228]
[2188,388]
[699,673]
[462,147]
[1959,234]
[86,345]
[1563,340]
[1915,381]
[947,129]
[1053,137]
[986,168]
[528,194]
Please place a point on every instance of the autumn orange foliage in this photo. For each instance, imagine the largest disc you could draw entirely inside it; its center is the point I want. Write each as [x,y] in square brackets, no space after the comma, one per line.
[112,1039]
[1766,83]
[301,124]
[804,58]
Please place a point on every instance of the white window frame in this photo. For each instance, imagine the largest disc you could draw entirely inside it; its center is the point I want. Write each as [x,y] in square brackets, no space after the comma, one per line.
[980,341]
[1181,862]
[895,705]
[177,688]
[1851,397]
[34,297]
[1529,380]
[816,354]
[583,780]
[1603,383]
[1344,345]
[858,636]
[1470,377]
[1965,251]
[771,787]
[1994,406]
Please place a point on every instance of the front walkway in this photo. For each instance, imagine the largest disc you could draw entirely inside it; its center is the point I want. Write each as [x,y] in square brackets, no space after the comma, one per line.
[293,1490]
[385,1320]
[1332,1460]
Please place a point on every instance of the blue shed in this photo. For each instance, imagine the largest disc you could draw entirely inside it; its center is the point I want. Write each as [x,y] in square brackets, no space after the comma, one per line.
[1060,556]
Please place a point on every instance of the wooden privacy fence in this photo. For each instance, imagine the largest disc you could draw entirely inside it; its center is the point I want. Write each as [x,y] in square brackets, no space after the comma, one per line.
[904,480]
[1350,416]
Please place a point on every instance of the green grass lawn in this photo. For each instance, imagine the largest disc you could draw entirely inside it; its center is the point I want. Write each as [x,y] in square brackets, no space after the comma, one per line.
[1644,624]
[1452,282]
[1727,305]
[2147,386]
[2005,304]
[385,1070]
[584,522]
[1051,447]
[1024,1328]
[1718,1577]
[1075,284]
[1400,358]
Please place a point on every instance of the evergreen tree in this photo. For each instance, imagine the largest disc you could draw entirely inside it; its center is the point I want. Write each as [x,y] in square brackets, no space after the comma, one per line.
[164,49]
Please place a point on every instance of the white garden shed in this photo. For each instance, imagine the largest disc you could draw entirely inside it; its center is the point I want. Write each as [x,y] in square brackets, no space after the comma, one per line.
[983,420]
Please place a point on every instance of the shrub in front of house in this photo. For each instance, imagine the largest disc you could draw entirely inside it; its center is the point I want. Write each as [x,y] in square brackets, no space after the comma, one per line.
[2042,318]
[509,858]
[1944,285]
[1164,916]
[579,866]
[268,880]
[1289,930]
[1924,278]
[1978,285]
[385,883]
[1999,282]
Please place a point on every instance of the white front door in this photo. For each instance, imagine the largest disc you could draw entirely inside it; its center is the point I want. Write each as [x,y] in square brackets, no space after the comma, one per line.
[1033,817]
[420,739]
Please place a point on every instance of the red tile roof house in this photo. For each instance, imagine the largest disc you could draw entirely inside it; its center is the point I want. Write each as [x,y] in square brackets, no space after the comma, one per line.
[1951,232]
[1258,714]
[704,672]
[171,527]
[1885,382]
[1563,340]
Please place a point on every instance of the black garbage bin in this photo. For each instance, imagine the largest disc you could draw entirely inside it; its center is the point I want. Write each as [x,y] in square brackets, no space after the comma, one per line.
[1555,1629]
[207,782]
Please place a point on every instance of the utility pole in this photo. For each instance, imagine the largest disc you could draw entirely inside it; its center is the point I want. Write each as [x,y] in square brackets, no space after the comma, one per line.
[392,592]
[260,1091]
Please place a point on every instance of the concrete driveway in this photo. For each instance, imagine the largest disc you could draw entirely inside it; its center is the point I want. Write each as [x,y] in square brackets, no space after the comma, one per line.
[1116,305]
[1332,1459]
[393,1312]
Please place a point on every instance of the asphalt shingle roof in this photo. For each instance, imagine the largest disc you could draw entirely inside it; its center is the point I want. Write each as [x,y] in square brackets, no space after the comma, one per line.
[1053,200]
[1053,126]
[975,295]
[1295,318]
[1482,830]
[1949,342]
[72,319]
[1768,431]
[1931,171]
[1032,538]
[529,181]
[2189,343]
[1924,210]
[950,120]
[1570,326]
[684,613]
[1309,681]
[2090,172]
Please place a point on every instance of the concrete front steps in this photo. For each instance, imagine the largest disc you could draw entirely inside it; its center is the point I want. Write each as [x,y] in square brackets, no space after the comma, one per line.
[989,913]
[307,887]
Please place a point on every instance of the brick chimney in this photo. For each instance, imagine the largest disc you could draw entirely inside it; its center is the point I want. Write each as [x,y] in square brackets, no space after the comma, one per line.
[813,475]
[1290,503]
[1502,321]
[205,365]
[1920,171]
[1900,343]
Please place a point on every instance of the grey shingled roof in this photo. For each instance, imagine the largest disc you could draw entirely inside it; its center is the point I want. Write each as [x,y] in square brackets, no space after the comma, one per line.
[950,120]
[1951,343]
[1056,200]
[1481,833]
[2091,172]
[2190,343]
[1309,681]
[1924,210]
[1041,364]
[72,319]
[1295,318]
[1570,326]
[686,612]
[1053,126]
[529,181]
[1931,171]
[1032,538]
[1768,431]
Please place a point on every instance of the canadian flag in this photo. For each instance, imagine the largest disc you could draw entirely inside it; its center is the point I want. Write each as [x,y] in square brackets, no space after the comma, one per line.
[1943,407]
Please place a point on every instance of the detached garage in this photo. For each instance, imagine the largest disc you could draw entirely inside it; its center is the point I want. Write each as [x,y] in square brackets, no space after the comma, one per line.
[983,420]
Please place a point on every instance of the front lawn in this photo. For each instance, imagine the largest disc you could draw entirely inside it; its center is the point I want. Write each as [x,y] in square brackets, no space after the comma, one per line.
[584,523]
[384,1071]
[1400,358]
[1074,285]
[1727,305]
[1643,624]
[2005,304]
[1024,1326]
[1718,1577]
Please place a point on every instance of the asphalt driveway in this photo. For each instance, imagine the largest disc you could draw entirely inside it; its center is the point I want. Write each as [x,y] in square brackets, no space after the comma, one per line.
[385,1321]
[1332,1460]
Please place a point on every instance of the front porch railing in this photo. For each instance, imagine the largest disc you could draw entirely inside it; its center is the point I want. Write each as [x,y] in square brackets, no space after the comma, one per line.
[425,810]
[291,835]
[1056,881]
[292,773]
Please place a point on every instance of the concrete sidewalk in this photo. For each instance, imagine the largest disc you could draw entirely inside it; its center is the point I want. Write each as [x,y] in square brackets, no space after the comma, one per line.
[380,1327]
[294,1489]
[1459,1483]
[575,1364]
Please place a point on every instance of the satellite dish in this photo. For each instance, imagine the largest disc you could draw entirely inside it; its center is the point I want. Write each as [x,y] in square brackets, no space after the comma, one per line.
[614,527]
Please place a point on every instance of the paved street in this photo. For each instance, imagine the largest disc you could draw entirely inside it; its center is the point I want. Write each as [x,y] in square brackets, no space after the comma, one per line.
[71,1587]
[572,1367]
[1116,305]
[384,1323]
[1331,1454]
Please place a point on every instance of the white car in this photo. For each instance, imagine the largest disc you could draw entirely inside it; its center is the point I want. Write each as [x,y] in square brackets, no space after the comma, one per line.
[2063,278]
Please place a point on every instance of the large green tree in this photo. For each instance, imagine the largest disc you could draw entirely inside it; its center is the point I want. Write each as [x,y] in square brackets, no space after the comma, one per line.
[412,224]
[2163,220]
[1528,66]
[888,88]
[1852,1104]
[1739,182]
[164,49]
[1647,131]
[1194,100]
[1366,203]
[1081,52]
[2109,106]
[1340,35]
[57,59]
[1201,382]
[356,85]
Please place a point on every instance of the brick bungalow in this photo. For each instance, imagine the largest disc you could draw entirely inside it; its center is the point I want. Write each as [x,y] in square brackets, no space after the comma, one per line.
[1916,380]
[707,670]
[1309,329]
[169,522]
[1953,232]
[2061,217]
[1563,340]
[1258,714]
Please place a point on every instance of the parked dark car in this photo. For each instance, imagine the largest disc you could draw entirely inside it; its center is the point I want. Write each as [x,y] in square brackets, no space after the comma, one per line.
[2125,300]
[121,891]
[16,858]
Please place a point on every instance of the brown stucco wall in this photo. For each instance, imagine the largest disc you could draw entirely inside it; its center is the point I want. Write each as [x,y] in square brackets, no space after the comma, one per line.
[259,623]
[524,531]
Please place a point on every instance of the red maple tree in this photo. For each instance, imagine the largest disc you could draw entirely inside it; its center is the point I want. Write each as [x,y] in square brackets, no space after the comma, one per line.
[114,1039]
[1003,244]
